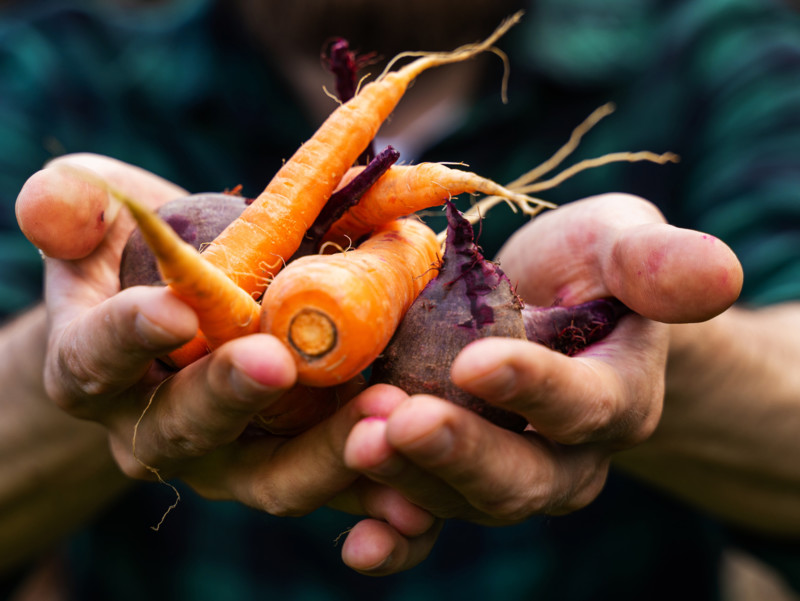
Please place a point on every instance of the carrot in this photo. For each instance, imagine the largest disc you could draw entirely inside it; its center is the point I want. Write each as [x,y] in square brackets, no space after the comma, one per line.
[343,198]
[224,310]
[406,189]
[337,312]
[253,248]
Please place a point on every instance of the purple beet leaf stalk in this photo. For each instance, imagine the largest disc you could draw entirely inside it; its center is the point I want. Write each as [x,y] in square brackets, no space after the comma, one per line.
[345,64]
[344,198]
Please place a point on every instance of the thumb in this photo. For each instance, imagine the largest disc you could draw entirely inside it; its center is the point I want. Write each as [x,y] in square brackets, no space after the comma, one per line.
[670,274]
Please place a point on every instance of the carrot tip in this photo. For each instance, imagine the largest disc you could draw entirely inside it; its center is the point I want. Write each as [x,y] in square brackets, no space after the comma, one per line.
[312,333]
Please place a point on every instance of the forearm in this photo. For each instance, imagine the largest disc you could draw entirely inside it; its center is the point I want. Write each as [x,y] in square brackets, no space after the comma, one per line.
[57,471]
[728,439]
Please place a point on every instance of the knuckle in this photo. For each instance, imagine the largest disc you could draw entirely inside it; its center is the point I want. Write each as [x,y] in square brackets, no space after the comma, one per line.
[598,421]
[519,503]
[513,509]
[587,483]
[180,439]
[269,499]
[129,464]
[70,383]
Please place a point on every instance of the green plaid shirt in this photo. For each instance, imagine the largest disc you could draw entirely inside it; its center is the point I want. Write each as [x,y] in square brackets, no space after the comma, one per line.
[181,92]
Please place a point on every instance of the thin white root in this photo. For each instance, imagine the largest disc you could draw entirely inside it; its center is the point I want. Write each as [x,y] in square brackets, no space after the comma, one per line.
[567,149]
[150,468]
[614,157]
[528,182]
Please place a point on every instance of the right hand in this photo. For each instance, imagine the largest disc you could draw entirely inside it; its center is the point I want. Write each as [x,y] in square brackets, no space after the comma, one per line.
[194,424]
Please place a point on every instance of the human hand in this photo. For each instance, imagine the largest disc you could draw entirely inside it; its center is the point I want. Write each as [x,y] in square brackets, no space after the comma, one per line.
[582,409]
[195,424]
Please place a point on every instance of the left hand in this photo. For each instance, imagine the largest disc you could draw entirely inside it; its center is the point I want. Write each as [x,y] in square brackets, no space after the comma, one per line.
[582,409]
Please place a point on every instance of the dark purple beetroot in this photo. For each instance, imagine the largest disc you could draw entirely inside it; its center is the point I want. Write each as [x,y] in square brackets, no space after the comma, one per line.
[470,298]
[198,219]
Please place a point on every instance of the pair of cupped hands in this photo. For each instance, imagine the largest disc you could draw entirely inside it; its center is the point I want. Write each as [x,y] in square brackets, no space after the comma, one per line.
[402,463]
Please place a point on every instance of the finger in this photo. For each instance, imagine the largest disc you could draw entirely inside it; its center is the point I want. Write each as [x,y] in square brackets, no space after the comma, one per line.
[607,393]
[375,500]
[368,451]
[297,475]
[472,456]
[207,405]
[374,548]
[557,256]
[672,275]
[619,245]
[109,347]
[63,211]
[134,181]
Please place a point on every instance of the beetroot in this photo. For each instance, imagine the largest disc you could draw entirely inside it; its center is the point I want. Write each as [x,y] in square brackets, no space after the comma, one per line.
[197,218]
[472,298]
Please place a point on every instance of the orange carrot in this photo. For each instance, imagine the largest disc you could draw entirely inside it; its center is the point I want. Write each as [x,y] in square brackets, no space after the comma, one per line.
[406,189]
[224,310]
[253,248]
[337,312]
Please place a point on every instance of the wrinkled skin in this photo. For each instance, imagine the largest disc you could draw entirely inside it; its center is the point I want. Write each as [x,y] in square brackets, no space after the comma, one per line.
[100,366]
[424,459]
[583,409]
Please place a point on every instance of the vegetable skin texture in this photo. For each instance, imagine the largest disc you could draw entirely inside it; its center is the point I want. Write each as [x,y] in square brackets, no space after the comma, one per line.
[224,310]
[470,298]
[345,197]
[406,189]
[337,312]
[253,248]
[197,219]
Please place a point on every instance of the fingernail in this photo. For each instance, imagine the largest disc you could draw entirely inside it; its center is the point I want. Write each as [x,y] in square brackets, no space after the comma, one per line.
[152,334]
[374,418]
[499,382]
[244,386]
[382,565]
[438,444]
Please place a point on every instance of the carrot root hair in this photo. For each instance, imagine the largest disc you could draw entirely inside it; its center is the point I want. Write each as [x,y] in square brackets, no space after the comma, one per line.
[531,183]
[427,60]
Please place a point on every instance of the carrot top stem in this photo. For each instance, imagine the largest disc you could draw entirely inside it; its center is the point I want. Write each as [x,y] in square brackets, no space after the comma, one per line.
[426,60]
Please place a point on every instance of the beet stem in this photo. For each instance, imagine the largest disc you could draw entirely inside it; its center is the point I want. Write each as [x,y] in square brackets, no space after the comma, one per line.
[344,64]
[344,198]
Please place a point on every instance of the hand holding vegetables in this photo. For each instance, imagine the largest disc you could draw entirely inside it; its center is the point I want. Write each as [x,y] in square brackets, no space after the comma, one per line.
[194,422]
[584,408]
[100,366]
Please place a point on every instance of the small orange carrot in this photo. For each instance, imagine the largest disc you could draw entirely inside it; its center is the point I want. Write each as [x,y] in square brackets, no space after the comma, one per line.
[224,310]
[337,312]
[253,248]
[406,189]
